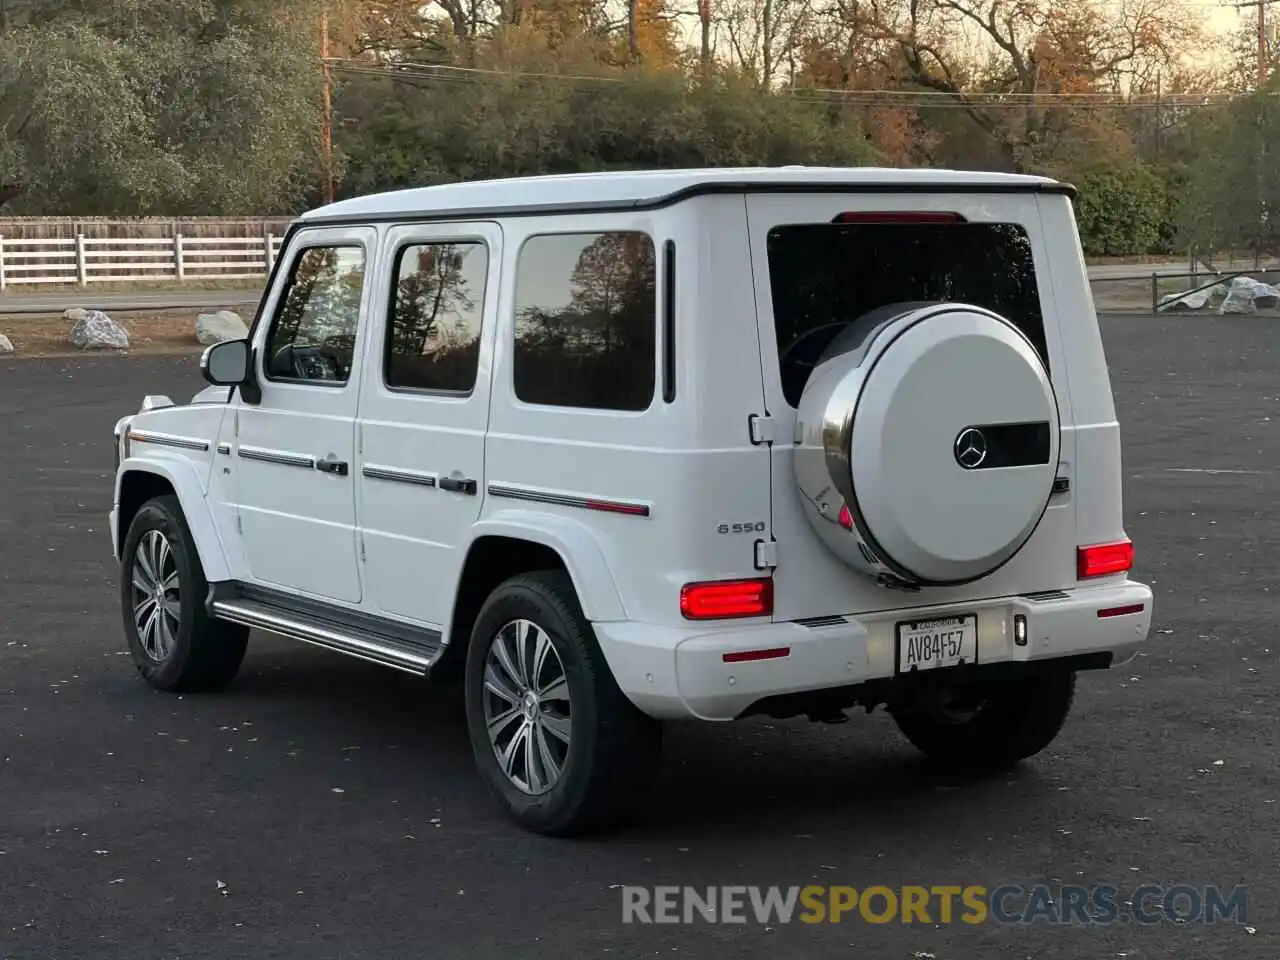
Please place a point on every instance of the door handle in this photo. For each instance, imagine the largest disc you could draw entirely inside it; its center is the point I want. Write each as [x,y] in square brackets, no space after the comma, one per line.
[330,465]
[458,485]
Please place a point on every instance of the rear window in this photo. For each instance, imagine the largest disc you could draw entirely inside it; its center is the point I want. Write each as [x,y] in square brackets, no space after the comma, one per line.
[824,276]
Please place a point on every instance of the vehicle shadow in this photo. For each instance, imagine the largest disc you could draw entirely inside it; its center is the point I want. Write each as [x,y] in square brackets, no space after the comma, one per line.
[723,782]
[801,776]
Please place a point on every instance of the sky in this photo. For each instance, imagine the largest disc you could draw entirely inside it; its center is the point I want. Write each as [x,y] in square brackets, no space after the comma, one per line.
[1221,19]
[1225,19]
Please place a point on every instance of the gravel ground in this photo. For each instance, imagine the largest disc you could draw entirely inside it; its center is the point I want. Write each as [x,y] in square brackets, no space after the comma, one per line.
[326,808]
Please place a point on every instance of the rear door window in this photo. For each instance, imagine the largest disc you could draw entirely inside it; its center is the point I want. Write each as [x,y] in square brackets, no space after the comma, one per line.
[824,276]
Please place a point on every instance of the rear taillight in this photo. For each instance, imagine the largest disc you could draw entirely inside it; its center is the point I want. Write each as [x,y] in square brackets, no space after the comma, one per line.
[898,216]
[725,599]
[846,518]
[1102,559]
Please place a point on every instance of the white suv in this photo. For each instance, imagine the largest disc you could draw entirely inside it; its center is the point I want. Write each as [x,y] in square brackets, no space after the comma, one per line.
[623,448]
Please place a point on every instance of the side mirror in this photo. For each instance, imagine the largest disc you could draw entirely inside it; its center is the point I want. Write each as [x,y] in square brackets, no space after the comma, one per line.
[227,364]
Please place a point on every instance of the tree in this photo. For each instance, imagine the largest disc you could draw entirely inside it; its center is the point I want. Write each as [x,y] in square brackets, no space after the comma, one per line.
[1233,188]
[424,130]
[185,107]
[1036,47]
[1121,209]
[765,36]
[215,106]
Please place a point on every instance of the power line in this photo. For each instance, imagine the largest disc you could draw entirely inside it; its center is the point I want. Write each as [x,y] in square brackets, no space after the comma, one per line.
[869,97]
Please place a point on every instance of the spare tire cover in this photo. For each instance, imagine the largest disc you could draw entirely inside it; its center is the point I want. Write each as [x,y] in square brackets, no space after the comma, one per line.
[928,443]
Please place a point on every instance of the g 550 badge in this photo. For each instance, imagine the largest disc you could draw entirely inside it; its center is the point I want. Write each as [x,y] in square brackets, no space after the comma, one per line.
[726,529]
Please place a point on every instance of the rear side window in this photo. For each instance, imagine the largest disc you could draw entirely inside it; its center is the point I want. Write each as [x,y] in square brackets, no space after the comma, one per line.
[824,276]
[586,321]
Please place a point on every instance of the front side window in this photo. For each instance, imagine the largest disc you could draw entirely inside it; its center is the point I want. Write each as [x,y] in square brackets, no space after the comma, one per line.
[586,321]
[433,333]
[313,336]
[825,276]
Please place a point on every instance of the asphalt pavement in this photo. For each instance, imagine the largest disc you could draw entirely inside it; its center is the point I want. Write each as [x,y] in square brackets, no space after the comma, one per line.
[324,808]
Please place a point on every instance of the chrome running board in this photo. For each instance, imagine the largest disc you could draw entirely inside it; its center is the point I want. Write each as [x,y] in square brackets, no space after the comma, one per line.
[364,637]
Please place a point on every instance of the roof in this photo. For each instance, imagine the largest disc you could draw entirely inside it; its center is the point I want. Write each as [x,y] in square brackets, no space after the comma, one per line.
[651,188]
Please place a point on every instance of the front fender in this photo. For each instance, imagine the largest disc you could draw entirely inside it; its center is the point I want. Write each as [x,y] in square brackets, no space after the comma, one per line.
[578,547]
[187,481]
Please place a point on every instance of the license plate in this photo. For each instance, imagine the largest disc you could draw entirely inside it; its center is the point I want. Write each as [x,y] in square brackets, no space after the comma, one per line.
[931,644]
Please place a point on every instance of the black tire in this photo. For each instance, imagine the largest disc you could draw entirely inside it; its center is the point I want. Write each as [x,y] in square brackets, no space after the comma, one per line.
[1014,720]
[202,653]
[613,751]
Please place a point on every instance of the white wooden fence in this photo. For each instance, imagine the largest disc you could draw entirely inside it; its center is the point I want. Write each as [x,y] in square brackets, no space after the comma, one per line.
[82,260]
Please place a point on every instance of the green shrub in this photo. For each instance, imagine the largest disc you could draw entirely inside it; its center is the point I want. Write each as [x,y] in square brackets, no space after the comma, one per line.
[1122,211]
[401,135]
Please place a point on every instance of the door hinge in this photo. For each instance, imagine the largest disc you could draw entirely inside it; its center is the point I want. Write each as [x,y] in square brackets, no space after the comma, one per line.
[239,523]
[766,554]
[362,554]
[761,428]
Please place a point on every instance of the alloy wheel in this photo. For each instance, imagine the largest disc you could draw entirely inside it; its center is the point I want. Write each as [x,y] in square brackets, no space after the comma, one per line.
[526,706]
[157,609]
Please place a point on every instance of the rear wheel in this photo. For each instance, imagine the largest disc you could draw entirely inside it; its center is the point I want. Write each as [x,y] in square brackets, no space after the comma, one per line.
[175,644]
[558,743]
[990,726]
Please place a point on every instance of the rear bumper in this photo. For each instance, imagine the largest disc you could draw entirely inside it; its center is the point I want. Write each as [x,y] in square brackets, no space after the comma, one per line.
[680,673]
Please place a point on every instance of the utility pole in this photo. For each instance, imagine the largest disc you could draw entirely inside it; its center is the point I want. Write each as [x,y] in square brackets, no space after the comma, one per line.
[1264,51]
[326,130]
[1159,113]
[1262,45]
[704,15]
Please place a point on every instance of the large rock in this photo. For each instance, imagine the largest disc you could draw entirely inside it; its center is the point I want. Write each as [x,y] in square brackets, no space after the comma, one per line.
[1246,295]
[213,328]
[96,331]
[1186,301]
[1237,302]
[5,345]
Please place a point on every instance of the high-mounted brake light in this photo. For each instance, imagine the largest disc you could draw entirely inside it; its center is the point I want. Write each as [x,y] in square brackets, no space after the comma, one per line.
[1102,559]
[724,599]
[898,216]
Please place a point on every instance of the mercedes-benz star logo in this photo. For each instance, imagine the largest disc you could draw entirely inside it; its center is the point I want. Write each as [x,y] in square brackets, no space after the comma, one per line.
[971,448]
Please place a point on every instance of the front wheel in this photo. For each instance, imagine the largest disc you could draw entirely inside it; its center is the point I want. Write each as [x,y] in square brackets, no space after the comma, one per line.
[175,644]
[558,743]
[989,726]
